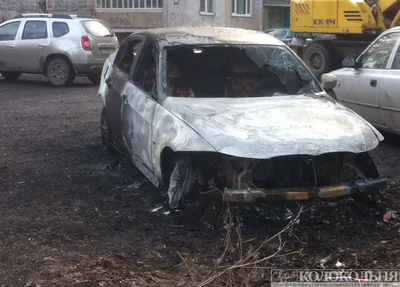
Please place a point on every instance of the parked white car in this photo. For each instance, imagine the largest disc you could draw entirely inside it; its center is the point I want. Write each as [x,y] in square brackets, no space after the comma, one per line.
[370,84]
[57,46]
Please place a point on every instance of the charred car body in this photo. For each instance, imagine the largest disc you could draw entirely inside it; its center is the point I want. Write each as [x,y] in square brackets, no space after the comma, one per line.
[236,107]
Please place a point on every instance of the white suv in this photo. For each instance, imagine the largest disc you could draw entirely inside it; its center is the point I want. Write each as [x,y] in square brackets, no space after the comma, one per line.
[58,46]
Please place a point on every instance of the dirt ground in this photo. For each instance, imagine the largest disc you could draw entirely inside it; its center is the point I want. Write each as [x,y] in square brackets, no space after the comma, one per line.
[73,214]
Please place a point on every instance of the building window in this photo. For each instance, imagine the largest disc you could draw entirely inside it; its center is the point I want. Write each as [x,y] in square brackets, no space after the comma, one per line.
[129,4]
[241,7]
[206,7]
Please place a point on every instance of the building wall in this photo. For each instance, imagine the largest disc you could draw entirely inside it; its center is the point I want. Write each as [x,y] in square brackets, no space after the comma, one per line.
[79,7]
[255,22]
[174,13]
[187,13]
[8,9]
[276,17]
[131,20]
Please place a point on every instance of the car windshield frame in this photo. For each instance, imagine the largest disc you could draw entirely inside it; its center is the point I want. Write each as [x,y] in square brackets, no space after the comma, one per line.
[163,92]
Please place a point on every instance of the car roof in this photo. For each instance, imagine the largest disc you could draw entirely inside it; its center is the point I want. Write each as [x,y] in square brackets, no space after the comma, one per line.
[394,29]
[200,35]
[41,16]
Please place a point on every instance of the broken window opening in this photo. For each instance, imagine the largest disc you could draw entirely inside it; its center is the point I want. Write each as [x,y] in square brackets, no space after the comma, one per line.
[146,73]
[236,71]
[128,54]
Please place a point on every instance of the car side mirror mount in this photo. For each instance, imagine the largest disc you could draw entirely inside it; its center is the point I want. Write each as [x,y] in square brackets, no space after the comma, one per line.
[328,81]
[349,62]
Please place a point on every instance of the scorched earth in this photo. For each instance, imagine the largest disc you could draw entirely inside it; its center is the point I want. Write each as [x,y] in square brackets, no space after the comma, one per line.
[73,213]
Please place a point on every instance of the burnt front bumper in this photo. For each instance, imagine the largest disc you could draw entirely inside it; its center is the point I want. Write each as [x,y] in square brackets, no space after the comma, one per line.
[309,193]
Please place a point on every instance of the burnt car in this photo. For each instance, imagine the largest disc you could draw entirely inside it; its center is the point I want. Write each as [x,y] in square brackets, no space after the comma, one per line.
[235,109]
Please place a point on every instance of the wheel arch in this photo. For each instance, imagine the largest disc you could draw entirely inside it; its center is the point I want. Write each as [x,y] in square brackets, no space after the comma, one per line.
[167,157]
[55,56]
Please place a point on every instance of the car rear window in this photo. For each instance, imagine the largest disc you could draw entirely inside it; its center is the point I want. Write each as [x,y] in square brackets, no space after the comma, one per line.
[60,29]
[96,28]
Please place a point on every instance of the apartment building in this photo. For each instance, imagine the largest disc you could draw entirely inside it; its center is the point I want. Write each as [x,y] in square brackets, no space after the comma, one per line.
[227,13]
[276,14]
[129,15]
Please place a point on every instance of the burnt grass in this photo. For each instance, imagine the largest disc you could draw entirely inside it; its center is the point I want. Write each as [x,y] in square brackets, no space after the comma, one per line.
[74,214]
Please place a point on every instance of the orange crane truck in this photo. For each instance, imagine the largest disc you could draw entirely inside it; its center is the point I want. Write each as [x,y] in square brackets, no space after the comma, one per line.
[348,26]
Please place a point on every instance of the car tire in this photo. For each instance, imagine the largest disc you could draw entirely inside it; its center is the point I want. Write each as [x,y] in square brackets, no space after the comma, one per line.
[318,58]
[11,76]
[104,131]
[60,73]
[94,79]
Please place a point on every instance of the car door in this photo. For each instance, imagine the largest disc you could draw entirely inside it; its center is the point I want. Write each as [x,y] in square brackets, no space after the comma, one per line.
[360,87]
[9,33]
[139,101]
[116,82]
[389,99]
[31,48]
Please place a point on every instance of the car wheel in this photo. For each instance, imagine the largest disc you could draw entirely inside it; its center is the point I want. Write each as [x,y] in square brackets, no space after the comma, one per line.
[318,58]
[59,72]
[11,76]
[104,131]
[94,79]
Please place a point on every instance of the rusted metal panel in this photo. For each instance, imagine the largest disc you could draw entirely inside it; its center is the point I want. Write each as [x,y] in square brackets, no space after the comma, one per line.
[301,194]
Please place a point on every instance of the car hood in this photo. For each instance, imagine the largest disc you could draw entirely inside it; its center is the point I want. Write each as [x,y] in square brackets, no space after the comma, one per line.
[275,126]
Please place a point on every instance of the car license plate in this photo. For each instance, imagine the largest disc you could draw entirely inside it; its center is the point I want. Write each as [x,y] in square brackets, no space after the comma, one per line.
[107,51]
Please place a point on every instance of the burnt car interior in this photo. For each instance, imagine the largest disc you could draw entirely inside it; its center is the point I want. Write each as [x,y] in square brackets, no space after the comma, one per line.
[145,74]
[128,56]
[235,71]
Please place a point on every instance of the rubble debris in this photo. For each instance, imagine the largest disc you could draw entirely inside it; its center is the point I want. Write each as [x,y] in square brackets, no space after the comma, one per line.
[156,209]
[289,214]
[389,215]
[339,264]
[137,184]
[325,260]
[259,281]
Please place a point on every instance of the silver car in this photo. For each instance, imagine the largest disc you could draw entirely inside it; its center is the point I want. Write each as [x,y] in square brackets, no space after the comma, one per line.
[369,84]
[282,34]
[236,108]
[58,46]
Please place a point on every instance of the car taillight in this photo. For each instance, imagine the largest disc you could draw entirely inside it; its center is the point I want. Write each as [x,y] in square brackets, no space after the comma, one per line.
[85,42]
